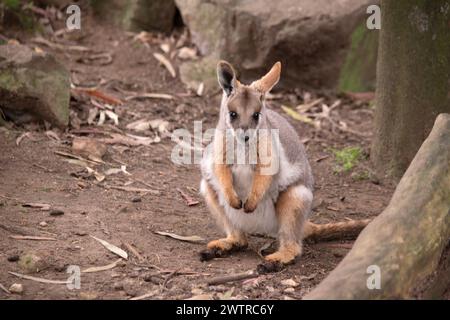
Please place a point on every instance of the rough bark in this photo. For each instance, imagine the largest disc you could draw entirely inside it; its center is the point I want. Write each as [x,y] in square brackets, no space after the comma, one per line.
[413,79]
[407,239]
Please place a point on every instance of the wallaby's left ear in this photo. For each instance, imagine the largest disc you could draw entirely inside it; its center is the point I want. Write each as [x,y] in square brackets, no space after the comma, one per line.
[227,77]
[266,83]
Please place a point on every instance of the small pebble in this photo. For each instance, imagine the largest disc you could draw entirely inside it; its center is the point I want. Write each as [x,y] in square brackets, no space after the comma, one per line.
[289,283]
[136,199]
[43,224]
[56,212]
[13,258]
[118,286]
[16,288]
[289,290]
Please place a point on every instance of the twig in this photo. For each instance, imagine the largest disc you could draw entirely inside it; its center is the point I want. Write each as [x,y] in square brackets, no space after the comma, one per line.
[145,296]
[4,289]
[232,277]
[168,278]
[42,280]
[40,40]
[143,182]
[43,168]
[17,237]
[131,189]
[189,201]
[134,251]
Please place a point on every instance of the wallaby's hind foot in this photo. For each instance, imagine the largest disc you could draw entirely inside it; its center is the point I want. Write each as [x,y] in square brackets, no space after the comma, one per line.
[278,260]
[222,247]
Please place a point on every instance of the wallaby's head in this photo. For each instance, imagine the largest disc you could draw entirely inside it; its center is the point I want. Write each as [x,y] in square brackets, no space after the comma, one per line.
[243,106]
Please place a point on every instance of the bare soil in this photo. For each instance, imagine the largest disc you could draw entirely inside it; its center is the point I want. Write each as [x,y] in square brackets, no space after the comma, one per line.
[32,172]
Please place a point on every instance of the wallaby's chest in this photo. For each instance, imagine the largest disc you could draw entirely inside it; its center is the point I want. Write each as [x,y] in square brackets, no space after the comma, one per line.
[242,179]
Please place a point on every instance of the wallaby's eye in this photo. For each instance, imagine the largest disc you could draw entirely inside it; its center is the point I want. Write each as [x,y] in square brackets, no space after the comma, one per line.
[256,116]
[233,115]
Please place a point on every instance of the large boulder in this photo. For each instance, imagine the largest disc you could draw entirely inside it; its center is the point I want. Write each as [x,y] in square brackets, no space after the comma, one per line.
[137,15]
[310,37]
[35,84]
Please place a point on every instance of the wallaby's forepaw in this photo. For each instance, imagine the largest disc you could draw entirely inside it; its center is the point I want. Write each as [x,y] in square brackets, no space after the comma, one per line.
[250,206]
[221,248]
[234,201]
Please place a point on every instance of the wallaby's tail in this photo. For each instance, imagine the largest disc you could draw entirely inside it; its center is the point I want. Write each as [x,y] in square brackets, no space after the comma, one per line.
[334,231]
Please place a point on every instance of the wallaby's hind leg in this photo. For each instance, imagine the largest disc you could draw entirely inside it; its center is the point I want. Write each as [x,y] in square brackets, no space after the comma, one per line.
[236,239]
[292,208]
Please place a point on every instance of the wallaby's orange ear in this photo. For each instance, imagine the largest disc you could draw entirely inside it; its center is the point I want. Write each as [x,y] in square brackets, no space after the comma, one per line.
[266,83]
[226,77]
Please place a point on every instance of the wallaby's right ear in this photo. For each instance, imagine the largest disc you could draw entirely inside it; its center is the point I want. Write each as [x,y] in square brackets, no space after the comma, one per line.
[226,76]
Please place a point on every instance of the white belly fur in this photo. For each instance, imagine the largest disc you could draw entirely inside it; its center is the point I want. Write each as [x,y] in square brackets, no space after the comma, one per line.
[263,220]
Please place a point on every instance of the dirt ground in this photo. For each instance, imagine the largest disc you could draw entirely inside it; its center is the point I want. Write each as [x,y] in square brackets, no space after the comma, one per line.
[32,172]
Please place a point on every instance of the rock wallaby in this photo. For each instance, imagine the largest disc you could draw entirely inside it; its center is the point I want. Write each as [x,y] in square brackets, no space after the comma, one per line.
[256,177]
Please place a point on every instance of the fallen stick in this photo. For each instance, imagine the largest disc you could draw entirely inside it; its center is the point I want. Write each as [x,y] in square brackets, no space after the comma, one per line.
[163,96]
[131,189]
[145,296]
[189,201]
[232,277]
[35,238]
[41,280]
[134,251]
[4,289]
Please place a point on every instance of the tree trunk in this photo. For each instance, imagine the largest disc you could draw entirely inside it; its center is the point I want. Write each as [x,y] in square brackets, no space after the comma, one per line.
[407,239]
[413,79]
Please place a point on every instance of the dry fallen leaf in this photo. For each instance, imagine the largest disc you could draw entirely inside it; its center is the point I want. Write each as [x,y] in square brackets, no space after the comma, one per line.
[22,136]
[122,169]
[200,89]
[95,93]
[121,253]
[113,116]
[187,53]
[19,237]
[295,115]
[42,280]
[129,140]
[163,96]
[165,47]
[98,176]
[205,296]
[139,125]
[52,135]
[101,118]
[90,148]
[132,189]
[102,268]
[195,239]
[160,125]
[226,295]
[166,63]
[93,113]
[289,283]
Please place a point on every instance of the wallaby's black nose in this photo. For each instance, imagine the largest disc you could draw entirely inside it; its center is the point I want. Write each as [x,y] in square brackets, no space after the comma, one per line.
[246,138]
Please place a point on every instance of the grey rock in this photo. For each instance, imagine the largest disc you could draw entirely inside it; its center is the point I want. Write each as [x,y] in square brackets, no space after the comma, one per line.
[309,37]
[33,84]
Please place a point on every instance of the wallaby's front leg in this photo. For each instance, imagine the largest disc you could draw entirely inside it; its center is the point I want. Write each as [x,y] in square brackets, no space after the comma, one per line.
[260,185]
[223,172]
[235,240]
[225,177]
[262,178]
[292,208]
